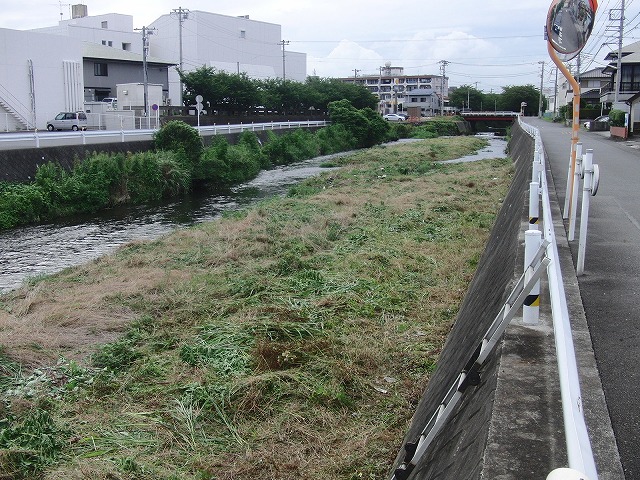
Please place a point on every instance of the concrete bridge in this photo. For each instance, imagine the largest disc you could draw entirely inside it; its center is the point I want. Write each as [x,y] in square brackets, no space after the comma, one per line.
[487,121]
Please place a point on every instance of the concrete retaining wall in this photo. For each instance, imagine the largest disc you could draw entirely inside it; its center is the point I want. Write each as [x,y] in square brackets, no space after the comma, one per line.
[457,452]
[21,165]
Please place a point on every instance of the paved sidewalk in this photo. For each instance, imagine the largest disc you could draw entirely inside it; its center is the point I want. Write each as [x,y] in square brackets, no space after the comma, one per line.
[610,287]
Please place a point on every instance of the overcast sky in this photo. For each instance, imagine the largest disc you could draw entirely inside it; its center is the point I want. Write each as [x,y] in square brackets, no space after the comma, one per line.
[495,43]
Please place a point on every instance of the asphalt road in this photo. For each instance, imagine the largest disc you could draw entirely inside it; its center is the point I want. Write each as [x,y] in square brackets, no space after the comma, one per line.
[610,286]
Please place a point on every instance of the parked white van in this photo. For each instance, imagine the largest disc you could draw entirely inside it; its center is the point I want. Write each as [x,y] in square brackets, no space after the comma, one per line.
[68,121]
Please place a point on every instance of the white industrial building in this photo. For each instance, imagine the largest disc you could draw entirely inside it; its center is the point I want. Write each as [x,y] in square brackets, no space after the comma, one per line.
[49,70]
[230,44]
[40,75]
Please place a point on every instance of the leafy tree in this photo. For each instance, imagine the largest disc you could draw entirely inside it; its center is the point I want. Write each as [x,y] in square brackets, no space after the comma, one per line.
[465,96]
[491,101]
[365,124]
[327,90]
[513,96]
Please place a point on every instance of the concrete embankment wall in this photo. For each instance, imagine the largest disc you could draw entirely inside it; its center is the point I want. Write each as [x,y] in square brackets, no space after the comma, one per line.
[457,452]
[21,165]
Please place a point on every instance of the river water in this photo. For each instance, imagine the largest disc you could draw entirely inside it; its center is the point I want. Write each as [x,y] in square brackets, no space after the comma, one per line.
[38,250]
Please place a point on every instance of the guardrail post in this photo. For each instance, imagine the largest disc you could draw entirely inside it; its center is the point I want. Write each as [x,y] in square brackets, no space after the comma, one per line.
[531,306]
[574,198]
[590,187]
[566,474]
[534,205]
[536,169]
[35,132]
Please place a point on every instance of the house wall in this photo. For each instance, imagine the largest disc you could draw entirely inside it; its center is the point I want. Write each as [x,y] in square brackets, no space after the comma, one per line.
[57,78]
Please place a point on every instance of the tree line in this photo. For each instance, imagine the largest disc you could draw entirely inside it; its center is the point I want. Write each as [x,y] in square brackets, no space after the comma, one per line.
[510,100]
[227,93]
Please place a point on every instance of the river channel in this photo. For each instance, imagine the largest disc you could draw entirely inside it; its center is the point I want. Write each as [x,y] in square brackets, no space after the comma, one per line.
[44,249]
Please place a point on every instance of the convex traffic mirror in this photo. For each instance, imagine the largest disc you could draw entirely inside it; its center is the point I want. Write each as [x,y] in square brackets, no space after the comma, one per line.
[569,24]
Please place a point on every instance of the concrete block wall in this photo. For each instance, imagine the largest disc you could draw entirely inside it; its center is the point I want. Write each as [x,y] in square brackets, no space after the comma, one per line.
[458,450]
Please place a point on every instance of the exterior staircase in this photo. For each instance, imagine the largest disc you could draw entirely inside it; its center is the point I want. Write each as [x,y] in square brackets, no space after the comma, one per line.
[20,115]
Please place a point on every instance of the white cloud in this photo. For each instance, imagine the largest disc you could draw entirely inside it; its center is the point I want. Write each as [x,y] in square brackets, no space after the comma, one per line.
[339,36]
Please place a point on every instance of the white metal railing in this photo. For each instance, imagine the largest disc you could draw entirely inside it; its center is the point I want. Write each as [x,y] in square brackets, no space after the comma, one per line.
[580,455]
[40,139]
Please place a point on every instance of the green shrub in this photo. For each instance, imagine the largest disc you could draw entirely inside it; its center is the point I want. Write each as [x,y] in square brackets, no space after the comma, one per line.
[20,203]
[291,147]
[617,118]
[335,138]
[178,136]
[365,125]
[402,130]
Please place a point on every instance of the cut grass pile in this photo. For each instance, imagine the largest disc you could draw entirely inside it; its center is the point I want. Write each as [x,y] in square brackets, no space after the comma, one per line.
[290,340]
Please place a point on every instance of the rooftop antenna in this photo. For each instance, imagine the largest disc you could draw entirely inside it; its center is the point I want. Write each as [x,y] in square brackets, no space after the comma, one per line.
[61,10]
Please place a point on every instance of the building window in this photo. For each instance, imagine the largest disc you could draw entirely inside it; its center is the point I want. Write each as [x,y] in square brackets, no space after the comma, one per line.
[105,24]
[126,46]
[243,34]
[100,70]
[104,42]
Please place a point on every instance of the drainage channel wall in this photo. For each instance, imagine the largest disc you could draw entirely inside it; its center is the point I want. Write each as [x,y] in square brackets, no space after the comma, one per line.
[20,165]
[458,451]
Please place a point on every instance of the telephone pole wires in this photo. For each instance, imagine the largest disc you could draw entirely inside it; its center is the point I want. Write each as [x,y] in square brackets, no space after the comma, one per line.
[541,87]
[146,31]
[182,14]
[283,43]
[619,60]
[443,69]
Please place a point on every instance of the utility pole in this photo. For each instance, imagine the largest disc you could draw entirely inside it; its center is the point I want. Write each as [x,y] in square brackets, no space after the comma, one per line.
[283,43]
[182,14]
[145,52]
[355,73]
[541,87]
[555,95]
[619,62]
[443,69]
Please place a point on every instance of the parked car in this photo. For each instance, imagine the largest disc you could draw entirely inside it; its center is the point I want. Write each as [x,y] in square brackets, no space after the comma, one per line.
[601,118]
[68,121]
[111,101]
[393,117]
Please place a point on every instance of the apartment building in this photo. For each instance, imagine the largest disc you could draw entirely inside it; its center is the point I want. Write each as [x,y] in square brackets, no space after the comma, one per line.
[392,87]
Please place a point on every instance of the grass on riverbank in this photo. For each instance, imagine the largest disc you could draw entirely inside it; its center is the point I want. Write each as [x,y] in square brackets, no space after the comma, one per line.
[289,340]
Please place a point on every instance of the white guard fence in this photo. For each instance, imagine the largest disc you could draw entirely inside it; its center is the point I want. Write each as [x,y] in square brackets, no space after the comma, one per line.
[541,254]
[43,139]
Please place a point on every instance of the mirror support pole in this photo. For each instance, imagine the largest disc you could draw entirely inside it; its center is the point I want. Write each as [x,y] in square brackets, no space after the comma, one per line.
[569,207]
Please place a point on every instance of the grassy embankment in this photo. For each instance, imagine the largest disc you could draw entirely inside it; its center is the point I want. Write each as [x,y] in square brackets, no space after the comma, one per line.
[290,340]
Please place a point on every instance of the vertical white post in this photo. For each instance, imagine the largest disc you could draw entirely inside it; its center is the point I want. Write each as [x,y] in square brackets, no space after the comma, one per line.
[531,306]
[574,198]
[567,192]
[584,213]
[534,205]
[537,165]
